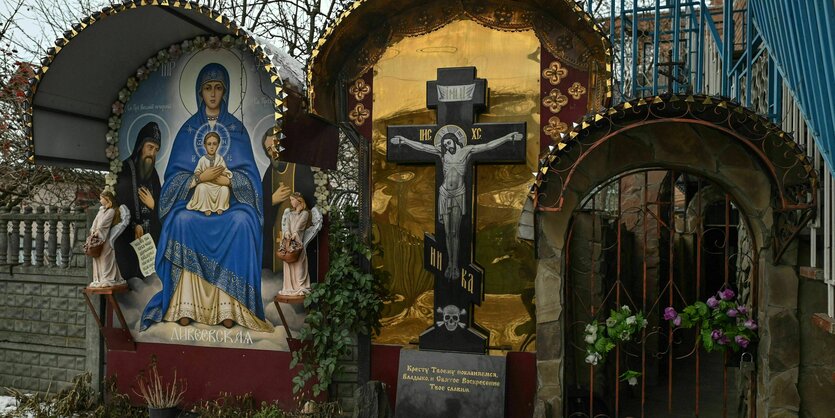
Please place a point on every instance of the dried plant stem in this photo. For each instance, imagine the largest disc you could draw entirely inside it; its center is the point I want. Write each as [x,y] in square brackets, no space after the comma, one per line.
[157,394]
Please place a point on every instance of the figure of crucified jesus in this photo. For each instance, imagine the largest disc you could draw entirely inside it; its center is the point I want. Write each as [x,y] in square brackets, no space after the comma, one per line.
[451,145]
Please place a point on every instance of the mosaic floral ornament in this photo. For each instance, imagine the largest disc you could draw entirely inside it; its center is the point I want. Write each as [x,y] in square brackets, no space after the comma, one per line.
[555,127]
[359,114]
[359,89]
[555,100]
[322,193]
[577,90]
[555,73]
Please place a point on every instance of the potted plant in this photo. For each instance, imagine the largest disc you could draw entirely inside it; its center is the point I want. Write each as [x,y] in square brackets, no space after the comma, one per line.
[162,398]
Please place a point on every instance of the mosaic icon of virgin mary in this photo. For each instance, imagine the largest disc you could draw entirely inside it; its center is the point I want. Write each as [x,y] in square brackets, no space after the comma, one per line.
[210,266]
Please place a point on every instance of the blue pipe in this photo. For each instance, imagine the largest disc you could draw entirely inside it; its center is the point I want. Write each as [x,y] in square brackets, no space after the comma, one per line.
[634,51]
[728,48]
[700,49]
[674,71]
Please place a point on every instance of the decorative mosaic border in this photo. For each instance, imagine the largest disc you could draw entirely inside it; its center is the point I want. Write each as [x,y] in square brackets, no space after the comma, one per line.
[795,177]
[582,17]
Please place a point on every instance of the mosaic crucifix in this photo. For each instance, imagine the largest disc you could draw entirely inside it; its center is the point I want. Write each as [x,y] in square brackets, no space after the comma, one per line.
[454,145]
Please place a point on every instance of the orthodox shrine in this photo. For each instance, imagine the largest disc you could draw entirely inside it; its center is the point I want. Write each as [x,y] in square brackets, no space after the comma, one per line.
[453,104]
[510,205]
[205,242]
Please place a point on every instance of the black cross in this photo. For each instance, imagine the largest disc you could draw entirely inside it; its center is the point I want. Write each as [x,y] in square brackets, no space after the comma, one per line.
[454,145]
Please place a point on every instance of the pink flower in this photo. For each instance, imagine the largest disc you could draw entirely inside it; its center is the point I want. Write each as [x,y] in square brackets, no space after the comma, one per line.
[742,341]
[732,313]
[716,335]
[670,313]
[677,321]
[742,310]
[750,324]
[712,302]
[175,51]
[727,294]
[118,108]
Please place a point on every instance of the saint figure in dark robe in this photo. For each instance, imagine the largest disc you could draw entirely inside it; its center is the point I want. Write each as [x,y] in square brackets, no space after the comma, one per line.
[138,187]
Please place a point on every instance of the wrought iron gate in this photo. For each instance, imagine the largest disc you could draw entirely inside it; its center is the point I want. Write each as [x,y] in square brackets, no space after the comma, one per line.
[648,240]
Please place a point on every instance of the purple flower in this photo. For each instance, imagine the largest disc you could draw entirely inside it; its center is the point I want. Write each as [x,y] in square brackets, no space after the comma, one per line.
[750,324]
[742,341]
[732,313]
[670,313]
[677,321]
[727,294]
[716,334]
[742,310]
[723,340]
[712,302]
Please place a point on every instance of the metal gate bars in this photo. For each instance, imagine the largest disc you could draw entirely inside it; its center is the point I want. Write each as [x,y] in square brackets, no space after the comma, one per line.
[649,240]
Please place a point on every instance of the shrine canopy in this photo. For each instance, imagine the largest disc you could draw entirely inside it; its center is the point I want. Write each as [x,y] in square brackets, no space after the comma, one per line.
[71,97]
[357,39]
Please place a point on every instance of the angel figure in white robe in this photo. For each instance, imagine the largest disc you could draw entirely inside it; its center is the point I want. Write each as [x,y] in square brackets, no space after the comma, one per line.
[298,227]
[107,226]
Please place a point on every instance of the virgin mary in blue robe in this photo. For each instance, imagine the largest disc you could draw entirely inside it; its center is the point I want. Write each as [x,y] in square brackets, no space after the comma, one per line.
[210,265]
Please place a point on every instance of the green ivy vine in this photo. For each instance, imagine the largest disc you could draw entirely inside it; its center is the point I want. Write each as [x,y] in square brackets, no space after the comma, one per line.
[346,303]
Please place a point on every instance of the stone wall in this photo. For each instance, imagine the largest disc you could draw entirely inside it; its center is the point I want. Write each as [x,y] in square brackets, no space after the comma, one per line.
[47,335]
[816,375]
[43,331]
[778,350]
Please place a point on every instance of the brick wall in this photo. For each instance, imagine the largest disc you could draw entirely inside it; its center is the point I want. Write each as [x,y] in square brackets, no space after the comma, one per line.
[43,331]
[47,335]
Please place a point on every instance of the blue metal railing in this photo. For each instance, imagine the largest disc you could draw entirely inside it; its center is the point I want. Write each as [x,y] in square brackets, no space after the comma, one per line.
[660,46]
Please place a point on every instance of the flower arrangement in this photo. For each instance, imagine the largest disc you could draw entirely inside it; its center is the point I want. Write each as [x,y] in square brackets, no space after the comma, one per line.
[602,337]
[722,322]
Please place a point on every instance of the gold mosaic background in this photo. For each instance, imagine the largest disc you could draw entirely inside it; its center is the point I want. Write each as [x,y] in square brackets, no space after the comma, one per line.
[403,196]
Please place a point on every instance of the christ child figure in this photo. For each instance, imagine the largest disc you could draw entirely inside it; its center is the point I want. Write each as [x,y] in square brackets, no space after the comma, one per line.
[210,196]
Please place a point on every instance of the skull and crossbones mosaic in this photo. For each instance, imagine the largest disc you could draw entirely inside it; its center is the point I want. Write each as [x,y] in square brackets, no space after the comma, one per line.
[452,317]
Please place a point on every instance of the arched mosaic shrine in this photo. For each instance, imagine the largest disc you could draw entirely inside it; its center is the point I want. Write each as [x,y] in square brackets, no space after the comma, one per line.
[755,164]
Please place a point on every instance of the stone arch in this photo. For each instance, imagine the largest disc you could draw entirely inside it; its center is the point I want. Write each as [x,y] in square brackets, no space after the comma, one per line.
[750,158]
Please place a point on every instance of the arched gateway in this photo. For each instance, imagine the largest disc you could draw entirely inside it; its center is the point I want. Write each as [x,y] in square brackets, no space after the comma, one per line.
[661,202]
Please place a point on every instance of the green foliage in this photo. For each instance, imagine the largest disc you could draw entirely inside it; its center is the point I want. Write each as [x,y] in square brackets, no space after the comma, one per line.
[117,405]
[722,323]
[227,406]
[244,406]
[346,303]
[78,400]
[620,327]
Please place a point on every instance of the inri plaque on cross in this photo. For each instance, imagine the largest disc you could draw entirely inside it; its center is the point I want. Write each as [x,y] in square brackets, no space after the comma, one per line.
[454,145]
